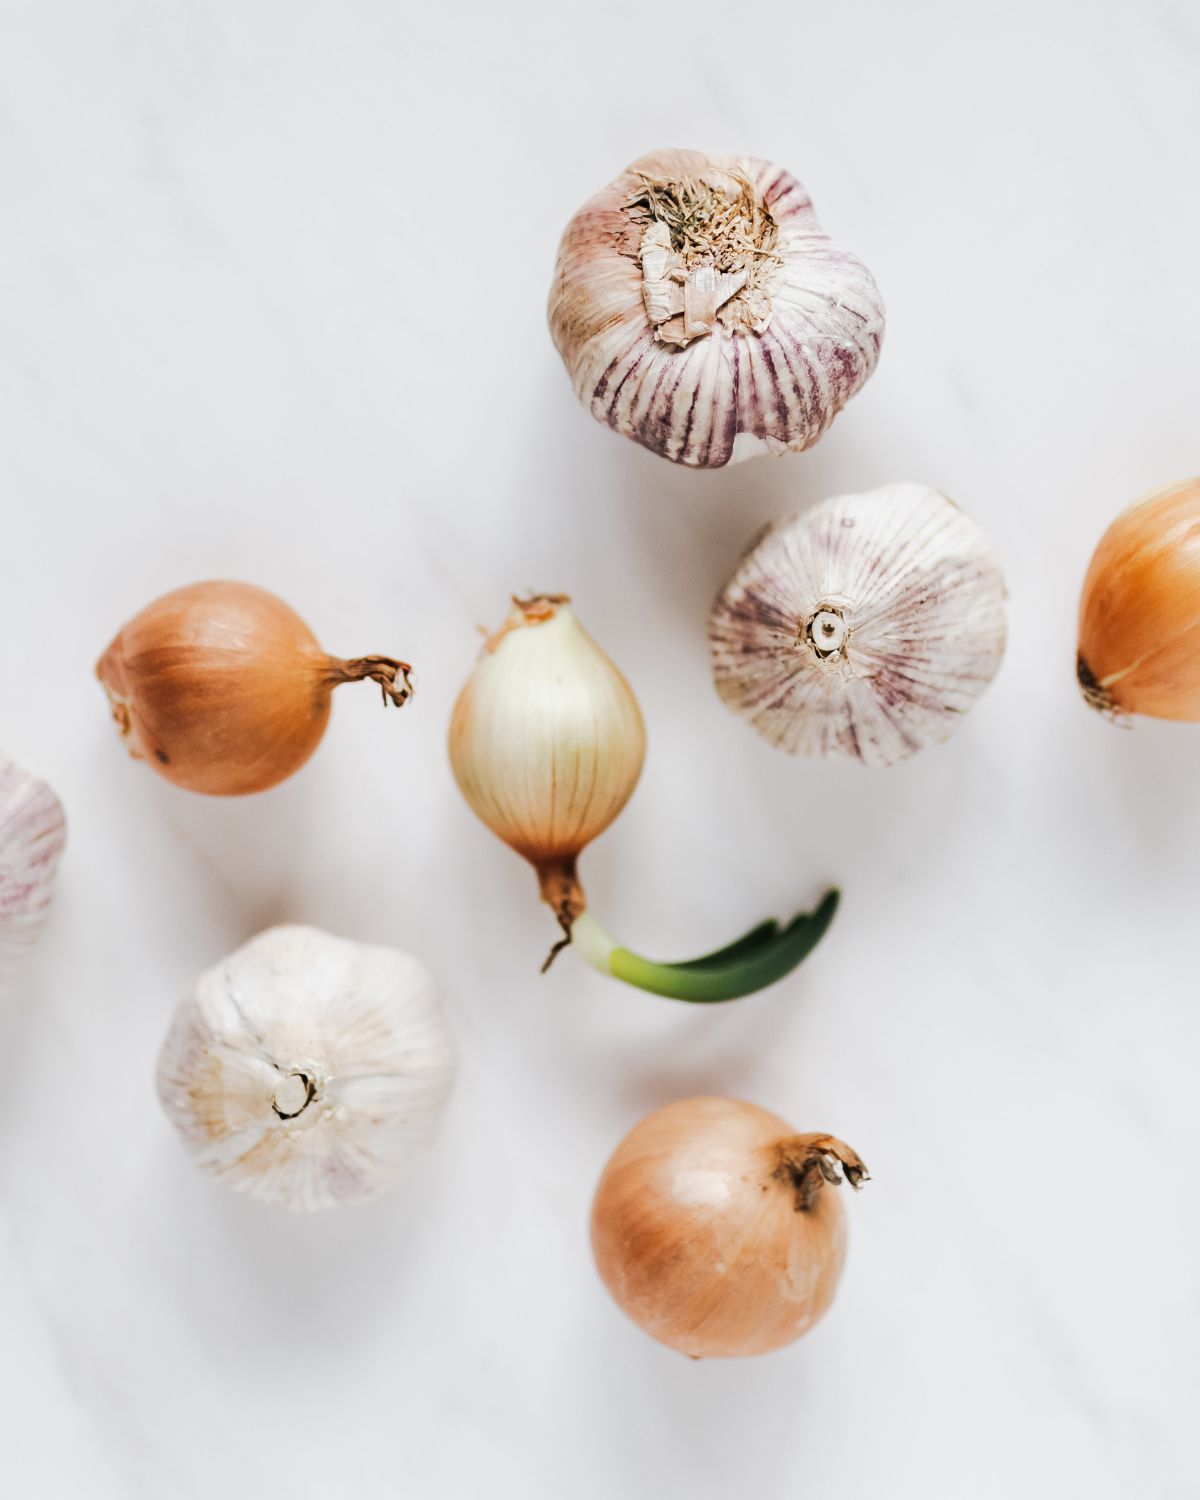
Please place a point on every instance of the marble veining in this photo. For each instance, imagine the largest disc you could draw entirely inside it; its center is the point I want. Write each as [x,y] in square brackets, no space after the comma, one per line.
[272,301]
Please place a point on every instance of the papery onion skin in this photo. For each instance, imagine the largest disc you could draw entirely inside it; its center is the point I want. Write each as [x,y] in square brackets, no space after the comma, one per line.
[223,688]
[1139,616]
[547,741]
[33,834]
[732,392]
[715,1230]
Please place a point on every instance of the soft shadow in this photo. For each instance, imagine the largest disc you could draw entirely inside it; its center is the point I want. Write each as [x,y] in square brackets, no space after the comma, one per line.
[292,1288]
[1139,786]
[238,863]
[719,1424]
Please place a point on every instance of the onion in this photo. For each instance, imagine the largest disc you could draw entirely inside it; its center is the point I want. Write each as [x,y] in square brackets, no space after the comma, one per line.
[713,1227]
[224,689]
[1139,619]
[546,744]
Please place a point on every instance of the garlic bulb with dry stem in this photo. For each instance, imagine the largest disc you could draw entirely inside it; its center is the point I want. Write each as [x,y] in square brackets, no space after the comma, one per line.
[715,1227]
[1139,618]
[33,833]
[308,1071]
[223,689]
[546,743]
[701,310]
[863,628]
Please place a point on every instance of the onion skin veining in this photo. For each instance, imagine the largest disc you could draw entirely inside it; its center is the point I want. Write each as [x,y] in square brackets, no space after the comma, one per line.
[223,689]
[718,1230]
[546,743]
[1139,616]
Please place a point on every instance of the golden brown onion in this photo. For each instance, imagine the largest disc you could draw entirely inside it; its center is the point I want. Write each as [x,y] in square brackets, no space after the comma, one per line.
[223,689]
[1139,619]
[715,1229]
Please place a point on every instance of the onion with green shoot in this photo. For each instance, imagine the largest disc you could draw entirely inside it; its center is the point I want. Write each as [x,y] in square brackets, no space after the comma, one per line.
[547,743]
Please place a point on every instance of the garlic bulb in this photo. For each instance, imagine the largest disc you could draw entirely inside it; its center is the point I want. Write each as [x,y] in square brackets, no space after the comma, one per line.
[701,310]
[715,1229]
[33,833]
[1139,618]
[308,1071]
[547,742]
[863,628]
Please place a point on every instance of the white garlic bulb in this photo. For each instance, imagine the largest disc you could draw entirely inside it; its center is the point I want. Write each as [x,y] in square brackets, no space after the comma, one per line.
[863,628]
[307,1071]
[33,833]
[701,310]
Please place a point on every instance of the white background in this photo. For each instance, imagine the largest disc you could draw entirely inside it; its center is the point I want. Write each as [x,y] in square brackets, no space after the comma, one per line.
[272,285]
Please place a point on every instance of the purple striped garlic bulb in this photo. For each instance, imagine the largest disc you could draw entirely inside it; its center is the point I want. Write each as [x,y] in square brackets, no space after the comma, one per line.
[33,832]
[701,310]
[864,628]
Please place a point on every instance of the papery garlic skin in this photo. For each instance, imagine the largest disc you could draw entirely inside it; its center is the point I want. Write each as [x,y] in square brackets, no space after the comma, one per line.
[863,628]
[1139,615]
[33,834]
[717,1229]
[546,739]
[749,340]
[308,1071]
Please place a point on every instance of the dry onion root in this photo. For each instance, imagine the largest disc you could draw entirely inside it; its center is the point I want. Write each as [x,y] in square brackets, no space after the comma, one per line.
[716,1228]
[223,689]
[1139,618]
[547,742]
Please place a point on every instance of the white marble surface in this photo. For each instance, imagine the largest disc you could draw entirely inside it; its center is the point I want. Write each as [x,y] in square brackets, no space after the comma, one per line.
[271,306]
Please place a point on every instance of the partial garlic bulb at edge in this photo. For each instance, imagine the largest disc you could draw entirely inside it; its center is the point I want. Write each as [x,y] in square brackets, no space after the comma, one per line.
[701,310]
[1139,618]
[308,1071]
[863,628]
[33,834]
[717,1230]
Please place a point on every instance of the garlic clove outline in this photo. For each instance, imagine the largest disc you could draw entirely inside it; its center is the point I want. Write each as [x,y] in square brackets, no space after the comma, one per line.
[308,1071]
[863,628]
[701,310]
[33,834]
